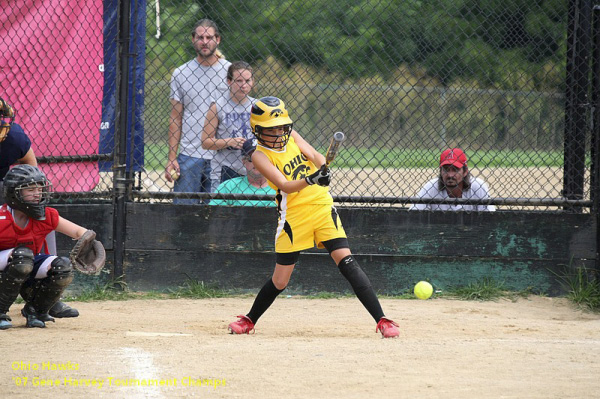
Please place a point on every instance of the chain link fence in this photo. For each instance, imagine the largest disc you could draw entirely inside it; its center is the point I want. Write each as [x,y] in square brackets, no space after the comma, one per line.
[403,80]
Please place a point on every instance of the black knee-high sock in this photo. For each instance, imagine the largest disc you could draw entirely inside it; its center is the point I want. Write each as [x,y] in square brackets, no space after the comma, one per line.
[361,285]
[264,299]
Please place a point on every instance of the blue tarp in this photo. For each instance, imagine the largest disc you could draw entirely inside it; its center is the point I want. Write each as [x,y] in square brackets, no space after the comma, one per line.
[135,121]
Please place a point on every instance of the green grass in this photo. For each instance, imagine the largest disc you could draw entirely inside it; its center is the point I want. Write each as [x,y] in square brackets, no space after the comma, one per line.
[193,289]
[583,290]
[582,286]
[329,295]
[116,290]
[155,156]
[486,289]
[407,295]
[119,291]
[397,158]
[352,157]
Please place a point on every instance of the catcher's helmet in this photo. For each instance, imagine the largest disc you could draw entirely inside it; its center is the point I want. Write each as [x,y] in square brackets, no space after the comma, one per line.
[269,112]
[27,176]
[7,116]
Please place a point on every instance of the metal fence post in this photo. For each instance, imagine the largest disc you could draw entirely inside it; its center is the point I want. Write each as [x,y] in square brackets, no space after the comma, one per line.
[595,142]
[121,180]
[577,97]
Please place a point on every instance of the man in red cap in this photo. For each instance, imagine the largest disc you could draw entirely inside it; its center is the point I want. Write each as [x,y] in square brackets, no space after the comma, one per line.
[454,181]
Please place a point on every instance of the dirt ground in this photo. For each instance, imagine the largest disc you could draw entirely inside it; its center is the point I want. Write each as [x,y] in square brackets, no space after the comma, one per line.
[307,348]
[543,182]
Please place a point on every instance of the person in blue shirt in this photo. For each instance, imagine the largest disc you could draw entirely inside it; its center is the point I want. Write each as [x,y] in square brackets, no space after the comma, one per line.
[15,146]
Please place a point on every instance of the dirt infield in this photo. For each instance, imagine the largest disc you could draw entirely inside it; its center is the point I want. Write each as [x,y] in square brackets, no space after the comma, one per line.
[542,182]
[307,348]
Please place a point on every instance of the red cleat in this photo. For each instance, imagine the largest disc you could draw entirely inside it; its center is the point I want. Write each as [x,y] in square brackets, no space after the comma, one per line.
[388,328]
[243,326]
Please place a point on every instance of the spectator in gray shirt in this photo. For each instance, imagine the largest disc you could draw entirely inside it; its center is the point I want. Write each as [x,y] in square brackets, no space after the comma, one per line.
[195,85]
[227,125]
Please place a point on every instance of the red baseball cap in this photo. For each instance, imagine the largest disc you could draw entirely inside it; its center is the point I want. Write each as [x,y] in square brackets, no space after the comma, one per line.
[453,156]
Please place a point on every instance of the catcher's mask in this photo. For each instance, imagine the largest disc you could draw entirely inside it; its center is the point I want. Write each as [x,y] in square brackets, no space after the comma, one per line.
[270,112]
[27,189]
[7,117]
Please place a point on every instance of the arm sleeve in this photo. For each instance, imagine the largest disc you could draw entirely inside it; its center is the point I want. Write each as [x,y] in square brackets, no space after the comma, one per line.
[18,142]
[481,191]
[175,88]
[486,193]
[423,193]
[52,216]
[25,145]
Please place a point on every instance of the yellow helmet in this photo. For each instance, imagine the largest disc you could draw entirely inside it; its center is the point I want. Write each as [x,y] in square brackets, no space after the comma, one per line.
[269,112]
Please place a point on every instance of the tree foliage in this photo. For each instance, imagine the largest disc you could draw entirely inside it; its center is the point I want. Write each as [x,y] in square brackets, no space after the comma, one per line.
[496,43]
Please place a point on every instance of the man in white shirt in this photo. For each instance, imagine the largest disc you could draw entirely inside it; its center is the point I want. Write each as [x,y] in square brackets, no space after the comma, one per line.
[454,181]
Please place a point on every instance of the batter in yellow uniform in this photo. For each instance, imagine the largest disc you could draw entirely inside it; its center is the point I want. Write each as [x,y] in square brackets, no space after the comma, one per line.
[306,217]
[306,214]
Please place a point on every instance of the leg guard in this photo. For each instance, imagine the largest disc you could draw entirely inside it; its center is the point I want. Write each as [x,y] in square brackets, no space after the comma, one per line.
[48,291]
[33,318]
[28,289]
[361,285]
[61,310]
[20,264]
[28,292]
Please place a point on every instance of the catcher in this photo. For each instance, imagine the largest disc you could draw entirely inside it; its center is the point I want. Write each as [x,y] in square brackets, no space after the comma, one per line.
[16,148]
[25,267]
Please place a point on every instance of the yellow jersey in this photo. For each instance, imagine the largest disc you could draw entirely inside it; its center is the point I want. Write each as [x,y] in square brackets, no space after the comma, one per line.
[292,163]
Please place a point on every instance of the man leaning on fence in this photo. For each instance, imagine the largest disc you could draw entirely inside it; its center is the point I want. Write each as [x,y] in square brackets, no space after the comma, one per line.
[194,87]
[454,181]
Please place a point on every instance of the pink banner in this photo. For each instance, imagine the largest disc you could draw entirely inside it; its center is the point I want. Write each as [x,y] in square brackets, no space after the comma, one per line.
[51,72]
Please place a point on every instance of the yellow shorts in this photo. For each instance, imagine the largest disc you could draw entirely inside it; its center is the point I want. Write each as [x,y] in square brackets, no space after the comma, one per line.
[306,225]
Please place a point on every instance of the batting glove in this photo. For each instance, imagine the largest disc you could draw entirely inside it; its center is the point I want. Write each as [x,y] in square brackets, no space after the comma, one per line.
[322,177]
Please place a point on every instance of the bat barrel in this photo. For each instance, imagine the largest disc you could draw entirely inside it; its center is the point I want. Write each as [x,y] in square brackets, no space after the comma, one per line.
[339,136]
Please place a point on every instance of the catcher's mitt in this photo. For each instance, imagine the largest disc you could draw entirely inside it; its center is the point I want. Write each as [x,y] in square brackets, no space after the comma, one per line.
[88,254]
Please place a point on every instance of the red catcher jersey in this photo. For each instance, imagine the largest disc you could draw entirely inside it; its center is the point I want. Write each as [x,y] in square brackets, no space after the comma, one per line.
[32,236]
